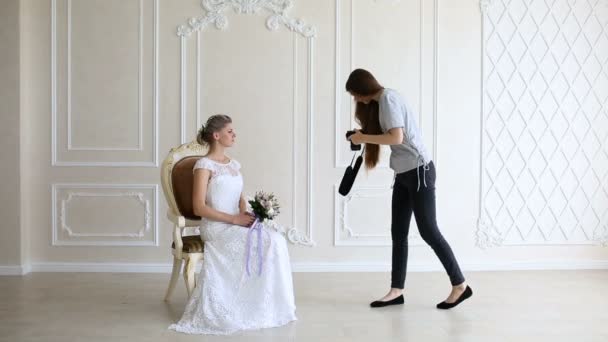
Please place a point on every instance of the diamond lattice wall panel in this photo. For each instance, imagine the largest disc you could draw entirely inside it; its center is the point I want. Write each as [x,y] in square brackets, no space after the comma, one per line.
[544,170]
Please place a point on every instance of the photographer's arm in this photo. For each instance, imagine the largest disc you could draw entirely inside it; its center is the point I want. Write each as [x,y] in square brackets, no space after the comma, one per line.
[394,136]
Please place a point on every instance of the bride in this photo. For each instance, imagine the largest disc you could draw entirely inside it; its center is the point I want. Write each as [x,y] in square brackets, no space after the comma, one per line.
[226,298]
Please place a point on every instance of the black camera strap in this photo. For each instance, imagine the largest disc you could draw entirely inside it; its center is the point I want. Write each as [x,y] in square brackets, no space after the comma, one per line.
[355,154]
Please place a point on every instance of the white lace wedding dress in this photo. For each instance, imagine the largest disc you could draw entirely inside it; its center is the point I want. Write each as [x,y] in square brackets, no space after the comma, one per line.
[226,299]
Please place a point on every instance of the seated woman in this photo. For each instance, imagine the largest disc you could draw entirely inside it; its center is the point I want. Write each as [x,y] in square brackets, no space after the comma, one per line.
[226,298]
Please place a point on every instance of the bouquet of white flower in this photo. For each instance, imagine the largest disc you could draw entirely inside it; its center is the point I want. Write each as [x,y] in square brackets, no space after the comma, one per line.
[265,206]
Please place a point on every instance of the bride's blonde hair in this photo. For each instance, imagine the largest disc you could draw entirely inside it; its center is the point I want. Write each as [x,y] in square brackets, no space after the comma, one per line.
[215,123]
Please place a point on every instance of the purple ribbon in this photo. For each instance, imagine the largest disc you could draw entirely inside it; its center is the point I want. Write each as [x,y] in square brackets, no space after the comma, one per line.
[256,226]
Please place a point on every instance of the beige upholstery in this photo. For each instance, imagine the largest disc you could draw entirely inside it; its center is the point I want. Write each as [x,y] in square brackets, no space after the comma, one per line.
[177,180]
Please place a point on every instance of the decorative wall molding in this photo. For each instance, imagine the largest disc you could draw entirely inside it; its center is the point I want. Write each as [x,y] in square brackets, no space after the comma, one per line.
[133,238]
[138,196]
[54,100]
[484,5]
[199,24]
[292,234]
[140,146]
[214,14]
[347,235]
[544,124]
[339,81]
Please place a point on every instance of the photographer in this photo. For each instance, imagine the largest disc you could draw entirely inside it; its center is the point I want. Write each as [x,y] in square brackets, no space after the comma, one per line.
[387,119]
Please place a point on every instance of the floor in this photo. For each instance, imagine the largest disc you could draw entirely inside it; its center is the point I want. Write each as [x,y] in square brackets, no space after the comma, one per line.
[506,306]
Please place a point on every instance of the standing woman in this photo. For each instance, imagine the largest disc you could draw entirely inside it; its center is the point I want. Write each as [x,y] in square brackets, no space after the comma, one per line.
[386,119]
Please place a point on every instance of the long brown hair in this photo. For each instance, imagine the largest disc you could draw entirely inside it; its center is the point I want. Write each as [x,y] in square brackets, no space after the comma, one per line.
[362,82]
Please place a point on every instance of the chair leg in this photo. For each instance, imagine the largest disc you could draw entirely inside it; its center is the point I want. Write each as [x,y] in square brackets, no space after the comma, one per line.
[189,276]
[189,273]
[177,265]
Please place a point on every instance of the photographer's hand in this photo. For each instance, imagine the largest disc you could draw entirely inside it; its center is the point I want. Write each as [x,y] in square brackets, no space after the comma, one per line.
[358,138]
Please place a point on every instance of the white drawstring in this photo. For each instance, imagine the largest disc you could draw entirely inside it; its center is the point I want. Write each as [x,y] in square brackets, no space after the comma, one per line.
[425,168]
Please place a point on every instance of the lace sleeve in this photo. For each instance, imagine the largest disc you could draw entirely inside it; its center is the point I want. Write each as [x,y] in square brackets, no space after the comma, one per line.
[206,164]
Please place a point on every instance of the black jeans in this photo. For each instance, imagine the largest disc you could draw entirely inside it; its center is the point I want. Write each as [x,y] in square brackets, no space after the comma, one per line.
[410,194]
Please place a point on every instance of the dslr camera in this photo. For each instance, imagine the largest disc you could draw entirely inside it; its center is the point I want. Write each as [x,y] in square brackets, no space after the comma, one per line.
[353,147]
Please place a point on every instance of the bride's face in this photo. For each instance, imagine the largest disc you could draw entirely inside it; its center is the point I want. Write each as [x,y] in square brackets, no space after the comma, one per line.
[226,137]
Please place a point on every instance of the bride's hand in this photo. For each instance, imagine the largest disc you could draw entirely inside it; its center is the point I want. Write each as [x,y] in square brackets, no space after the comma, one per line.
[243,219]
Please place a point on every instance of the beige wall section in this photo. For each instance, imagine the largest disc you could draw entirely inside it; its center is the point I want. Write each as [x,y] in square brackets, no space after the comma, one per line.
[25,138]
[233,64]
[10,194]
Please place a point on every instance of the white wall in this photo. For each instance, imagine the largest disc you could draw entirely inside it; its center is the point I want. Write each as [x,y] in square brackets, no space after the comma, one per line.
[10,166]
[285,92]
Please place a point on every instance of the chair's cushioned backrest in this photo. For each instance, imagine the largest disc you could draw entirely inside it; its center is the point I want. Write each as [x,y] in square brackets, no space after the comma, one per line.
[182,180]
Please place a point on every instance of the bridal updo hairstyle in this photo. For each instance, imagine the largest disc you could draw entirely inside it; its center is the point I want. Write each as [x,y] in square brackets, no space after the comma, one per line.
[214,124]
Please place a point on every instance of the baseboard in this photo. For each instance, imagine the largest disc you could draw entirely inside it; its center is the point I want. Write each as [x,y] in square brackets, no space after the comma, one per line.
[437,267]
[14,270]
[317,267]
[539,265]
[68,267]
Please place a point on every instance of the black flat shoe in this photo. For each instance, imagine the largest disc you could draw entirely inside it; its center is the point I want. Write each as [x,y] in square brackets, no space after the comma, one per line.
[465,295]
[395,301]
